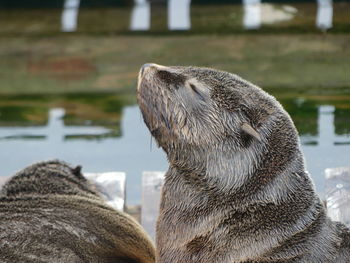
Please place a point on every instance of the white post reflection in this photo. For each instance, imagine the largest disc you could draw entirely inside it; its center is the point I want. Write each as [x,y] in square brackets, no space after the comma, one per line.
[326,129]
[69,19]
[324,19]
[179,15]
[55,126]
[252,14]
[55,131]
[141,16]
[331,150]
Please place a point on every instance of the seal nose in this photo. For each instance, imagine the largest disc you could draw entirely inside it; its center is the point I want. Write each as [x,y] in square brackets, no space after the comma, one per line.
[144,66]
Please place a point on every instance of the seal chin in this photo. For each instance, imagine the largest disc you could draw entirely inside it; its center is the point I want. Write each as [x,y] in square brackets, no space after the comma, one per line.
[146,94]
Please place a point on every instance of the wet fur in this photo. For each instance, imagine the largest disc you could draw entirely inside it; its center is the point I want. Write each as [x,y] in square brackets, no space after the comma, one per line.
[50,213]
[236,189]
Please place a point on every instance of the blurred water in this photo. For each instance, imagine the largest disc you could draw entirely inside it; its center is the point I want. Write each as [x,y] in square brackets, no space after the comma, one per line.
[54,132]
[331,150]
[130,153]
[325,137]
[134,153]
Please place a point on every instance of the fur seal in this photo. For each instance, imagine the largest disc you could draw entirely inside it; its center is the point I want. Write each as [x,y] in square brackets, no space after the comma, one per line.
[50,213]
[236,189]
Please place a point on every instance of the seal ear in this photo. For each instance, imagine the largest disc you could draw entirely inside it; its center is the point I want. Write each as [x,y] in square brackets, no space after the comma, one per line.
[77,172]
[247,128]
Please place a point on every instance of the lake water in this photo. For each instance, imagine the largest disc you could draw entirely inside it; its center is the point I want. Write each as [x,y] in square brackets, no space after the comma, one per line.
[127,146]
[104,132]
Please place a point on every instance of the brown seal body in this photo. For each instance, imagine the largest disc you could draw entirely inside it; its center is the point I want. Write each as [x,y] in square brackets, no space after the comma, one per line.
[236,189]
[50,213]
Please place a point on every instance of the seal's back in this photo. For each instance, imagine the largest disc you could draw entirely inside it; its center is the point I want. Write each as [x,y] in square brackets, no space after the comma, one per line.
[50,213]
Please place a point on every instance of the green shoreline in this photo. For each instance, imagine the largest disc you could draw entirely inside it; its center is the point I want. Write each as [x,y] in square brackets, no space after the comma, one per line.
[89,64]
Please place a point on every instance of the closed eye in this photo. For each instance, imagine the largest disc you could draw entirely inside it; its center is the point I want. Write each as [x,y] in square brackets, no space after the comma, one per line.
[193,87]
[195,90]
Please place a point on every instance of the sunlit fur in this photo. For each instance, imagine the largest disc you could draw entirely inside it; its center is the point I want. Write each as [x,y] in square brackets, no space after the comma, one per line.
[50,213]
[229,196]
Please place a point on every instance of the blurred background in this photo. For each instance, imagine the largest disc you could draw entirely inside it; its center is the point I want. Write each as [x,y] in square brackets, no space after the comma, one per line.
[68,73]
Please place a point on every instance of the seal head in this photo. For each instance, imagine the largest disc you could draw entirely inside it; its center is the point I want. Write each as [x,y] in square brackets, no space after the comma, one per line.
[205,112]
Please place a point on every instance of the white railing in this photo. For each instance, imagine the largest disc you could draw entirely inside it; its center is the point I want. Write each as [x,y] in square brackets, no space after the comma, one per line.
[141,16]
[179,14]
[55,130]
[324,16]
[69,20]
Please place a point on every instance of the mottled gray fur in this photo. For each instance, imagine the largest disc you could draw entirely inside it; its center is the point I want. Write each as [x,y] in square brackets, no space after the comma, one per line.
[50,213]
[236,189]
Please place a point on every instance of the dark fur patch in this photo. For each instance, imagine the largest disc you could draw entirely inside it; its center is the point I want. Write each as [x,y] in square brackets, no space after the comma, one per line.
[197,244]
[176,80]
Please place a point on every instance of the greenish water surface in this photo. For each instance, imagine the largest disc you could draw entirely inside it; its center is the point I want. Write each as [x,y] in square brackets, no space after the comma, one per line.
[72,95]
[105,132]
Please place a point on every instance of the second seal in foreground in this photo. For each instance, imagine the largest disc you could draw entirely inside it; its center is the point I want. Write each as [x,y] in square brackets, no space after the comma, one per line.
[236,189]
[49,212]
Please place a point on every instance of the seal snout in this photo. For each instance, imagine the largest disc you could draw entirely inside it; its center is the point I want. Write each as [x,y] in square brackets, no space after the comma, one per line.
[146,71]
[146,67]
